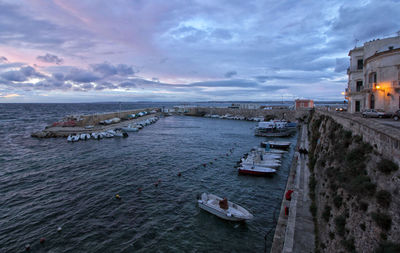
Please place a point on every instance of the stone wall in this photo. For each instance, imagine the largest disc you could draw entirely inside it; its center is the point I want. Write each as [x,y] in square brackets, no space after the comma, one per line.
[353,185]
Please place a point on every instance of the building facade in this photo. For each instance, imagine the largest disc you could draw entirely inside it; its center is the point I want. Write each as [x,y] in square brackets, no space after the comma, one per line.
[374,76]
[304,104]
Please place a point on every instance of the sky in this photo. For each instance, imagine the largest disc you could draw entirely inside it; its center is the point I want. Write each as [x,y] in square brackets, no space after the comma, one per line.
[182,50]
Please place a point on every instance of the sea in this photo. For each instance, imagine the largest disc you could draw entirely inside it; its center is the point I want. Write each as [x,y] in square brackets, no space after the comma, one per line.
[65,192]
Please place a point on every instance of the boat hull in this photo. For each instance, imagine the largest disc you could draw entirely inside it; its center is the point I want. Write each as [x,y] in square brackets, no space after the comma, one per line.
[219,214]
[255,172]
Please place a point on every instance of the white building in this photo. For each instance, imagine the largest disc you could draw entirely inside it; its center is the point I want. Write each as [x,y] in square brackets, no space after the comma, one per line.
[374,76]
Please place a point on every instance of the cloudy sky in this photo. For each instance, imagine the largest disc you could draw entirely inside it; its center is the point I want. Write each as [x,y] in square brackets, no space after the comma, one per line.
[180,50]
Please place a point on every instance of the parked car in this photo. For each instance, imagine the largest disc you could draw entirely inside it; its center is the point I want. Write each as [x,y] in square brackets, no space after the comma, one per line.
[375,113]
[341,109]
[396,115]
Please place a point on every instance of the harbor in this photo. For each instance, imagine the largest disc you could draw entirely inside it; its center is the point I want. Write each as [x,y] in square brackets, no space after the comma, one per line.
[157,174]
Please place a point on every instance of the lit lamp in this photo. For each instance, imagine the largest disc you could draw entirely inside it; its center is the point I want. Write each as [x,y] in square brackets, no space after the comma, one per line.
[343,93]
[378,87]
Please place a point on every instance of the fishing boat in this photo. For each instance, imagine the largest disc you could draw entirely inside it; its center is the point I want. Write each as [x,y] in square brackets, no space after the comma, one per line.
[256,170]
[276,144]
[267,164]
[274,128]
[223,208]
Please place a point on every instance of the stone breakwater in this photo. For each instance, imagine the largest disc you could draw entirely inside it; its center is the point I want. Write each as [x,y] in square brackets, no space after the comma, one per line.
[90,123]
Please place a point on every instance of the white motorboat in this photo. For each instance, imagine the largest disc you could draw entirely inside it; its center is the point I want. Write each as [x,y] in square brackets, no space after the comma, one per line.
[233,212]
[69,139]
[75,138]
[271,163]
[256,170]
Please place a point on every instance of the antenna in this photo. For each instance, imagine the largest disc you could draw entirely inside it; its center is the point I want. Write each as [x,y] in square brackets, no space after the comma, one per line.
[356,41]
[398,33]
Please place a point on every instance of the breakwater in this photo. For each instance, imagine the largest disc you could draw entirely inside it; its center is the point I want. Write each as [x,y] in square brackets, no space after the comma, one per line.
[83,124]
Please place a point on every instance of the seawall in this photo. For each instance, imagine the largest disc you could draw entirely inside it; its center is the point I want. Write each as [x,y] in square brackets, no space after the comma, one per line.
[354,184]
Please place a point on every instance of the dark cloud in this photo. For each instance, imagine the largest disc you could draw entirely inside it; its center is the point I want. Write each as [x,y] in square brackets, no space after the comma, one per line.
[20,75]
[107,69]
[127,84]
[82,76]
[364,22]
[230,74]
[50,58]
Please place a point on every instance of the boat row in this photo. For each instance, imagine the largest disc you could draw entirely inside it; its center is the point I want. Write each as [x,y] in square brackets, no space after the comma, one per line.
[263,161]
[233,117]
[139,125]
[117,132]
[96,135]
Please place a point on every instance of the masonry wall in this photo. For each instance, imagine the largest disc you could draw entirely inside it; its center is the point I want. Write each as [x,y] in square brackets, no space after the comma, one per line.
[354,185]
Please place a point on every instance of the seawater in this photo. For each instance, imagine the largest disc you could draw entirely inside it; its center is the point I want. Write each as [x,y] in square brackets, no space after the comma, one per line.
[47,183]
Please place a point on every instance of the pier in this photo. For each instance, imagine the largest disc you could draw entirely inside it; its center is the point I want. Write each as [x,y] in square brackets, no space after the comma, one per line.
[90,123]
[295,232]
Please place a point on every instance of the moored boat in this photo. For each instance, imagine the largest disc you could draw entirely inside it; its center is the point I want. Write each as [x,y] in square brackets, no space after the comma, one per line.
[274,128]
[256,170]
[223,208]
[276,144]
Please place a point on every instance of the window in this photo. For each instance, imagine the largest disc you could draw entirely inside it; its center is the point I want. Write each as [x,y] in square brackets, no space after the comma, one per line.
[359,86]
[360,64]
[372,77]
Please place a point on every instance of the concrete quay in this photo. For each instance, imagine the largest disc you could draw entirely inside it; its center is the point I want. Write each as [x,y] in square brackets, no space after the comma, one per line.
[295,232]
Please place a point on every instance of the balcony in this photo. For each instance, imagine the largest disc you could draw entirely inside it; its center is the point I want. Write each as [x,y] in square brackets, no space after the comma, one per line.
[354,69]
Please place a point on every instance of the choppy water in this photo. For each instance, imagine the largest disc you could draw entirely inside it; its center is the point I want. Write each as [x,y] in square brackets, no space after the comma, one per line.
[49,183]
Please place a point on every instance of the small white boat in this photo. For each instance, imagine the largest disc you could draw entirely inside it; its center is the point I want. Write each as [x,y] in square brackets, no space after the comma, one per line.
[256,170]
[234,212]
[69,139]
[75,138]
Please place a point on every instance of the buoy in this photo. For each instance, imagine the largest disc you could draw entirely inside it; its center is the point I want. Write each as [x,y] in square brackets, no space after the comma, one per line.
[59,229]
[117,196]
[204,164]
[156,184]
[159,180]
[28,247]
[140,189]
[179,174]
[42,240]
[211,162]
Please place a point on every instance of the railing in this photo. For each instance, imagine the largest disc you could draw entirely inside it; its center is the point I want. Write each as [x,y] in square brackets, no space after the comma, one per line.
[354,69]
